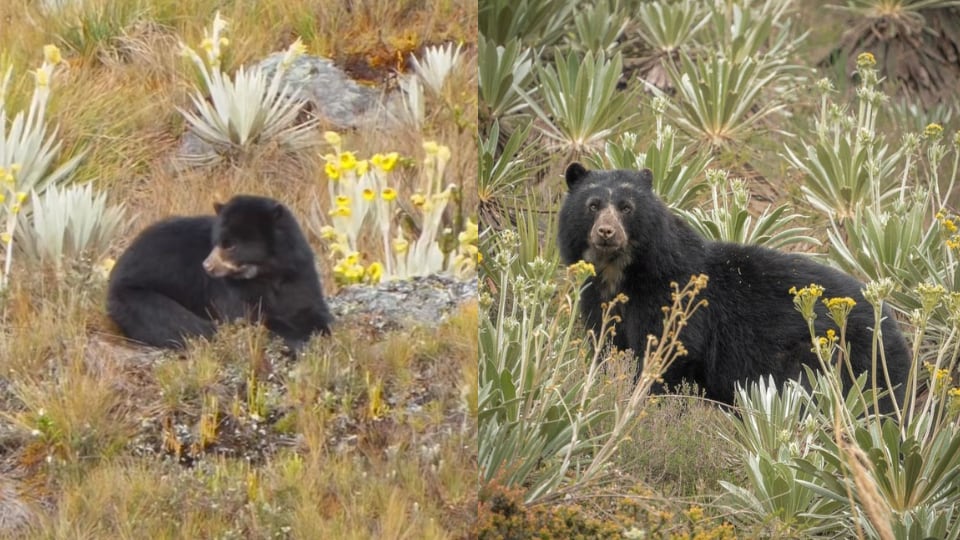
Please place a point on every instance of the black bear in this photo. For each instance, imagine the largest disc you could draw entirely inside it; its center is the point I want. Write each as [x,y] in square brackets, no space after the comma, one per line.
[750,327]
[182,275]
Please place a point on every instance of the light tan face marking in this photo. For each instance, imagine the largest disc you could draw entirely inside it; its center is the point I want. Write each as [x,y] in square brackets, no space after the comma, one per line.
[218,265]
[607,250]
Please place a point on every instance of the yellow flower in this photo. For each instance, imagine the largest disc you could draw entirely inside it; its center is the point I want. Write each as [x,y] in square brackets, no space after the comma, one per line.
[43,79]
[332,138]
[328,233]
[352,259]
[342,200]
[940,379]
[52,54]
[580,270]
[479,257]
[6,238]
[385,162]
[348,161]
[400,245]
[418,200]
[368,194]
[930,296]
[224,42]
[470,233]
[332,171]
[207,44]
[107,265]
[866,59]
[805,299]
[374,272]
[341,211]
[933,131]
[389,194]
[354,273]
[15,208]
[362,167]
[443,153]
[297,48]
[431,148]
[839,308]
[337,249]
[954,405]
[3,198]
[21,196]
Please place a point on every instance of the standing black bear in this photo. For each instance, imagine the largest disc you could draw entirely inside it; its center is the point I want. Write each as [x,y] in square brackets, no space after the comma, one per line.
[749,328]
[182,275]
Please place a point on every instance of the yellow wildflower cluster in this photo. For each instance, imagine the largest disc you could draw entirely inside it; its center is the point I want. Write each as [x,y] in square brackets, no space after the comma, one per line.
[940,379]
[213,41]
[581,270]
[933,131]
[340,163]
[950,230]
[866,60]
[8,183]
[839,308]
[385,162]
[441,152]
[825,344]
[953,407]
[468,251]
[357,197]
[341,207]
[361,198]
[349,270]
[805,300]
[930,296]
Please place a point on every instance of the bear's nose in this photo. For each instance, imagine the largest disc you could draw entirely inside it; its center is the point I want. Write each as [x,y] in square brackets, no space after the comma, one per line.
[605,231]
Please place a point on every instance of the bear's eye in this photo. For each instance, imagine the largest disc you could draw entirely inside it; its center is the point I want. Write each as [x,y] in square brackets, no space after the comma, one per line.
[625,209]
[227,244]
[594,206]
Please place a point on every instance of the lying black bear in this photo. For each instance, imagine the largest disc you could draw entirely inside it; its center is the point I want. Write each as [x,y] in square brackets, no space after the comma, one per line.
[750,327]
[182,275]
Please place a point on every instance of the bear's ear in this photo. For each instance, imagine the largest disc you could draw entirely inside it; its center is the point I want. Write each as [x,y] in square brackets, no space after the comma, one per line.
[277,210]
[575,173]
[646,178]
[217,207]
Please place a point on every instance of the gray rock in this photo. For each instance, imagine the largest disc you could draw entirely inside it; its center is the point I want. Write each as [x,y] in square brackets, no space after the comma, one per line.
[335,98]
[398,304]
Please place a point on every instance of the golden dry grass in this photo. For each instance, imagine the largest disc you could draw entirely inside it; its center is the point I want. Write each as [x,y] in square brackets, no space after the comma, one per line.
[361,438]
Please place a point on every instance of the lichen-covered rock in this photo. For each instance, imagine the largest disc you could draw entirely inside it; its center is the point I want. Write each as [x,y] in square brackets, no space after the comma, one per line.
[391,305]
[335,98]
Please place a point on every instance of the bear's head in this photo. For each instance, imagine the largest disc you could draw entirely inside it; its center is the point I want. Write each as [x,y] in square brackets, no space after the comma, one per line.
[244,237]
[608,219]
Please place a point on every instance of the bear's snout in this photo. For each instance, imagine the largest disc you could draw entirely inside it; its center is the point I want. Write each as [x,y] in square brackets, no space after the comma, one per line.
[608,233]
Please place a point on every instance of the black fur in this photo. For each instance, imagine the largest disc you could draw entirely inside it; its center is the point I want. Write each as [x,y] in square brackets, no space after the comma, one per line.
[750,327]
[182,275]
